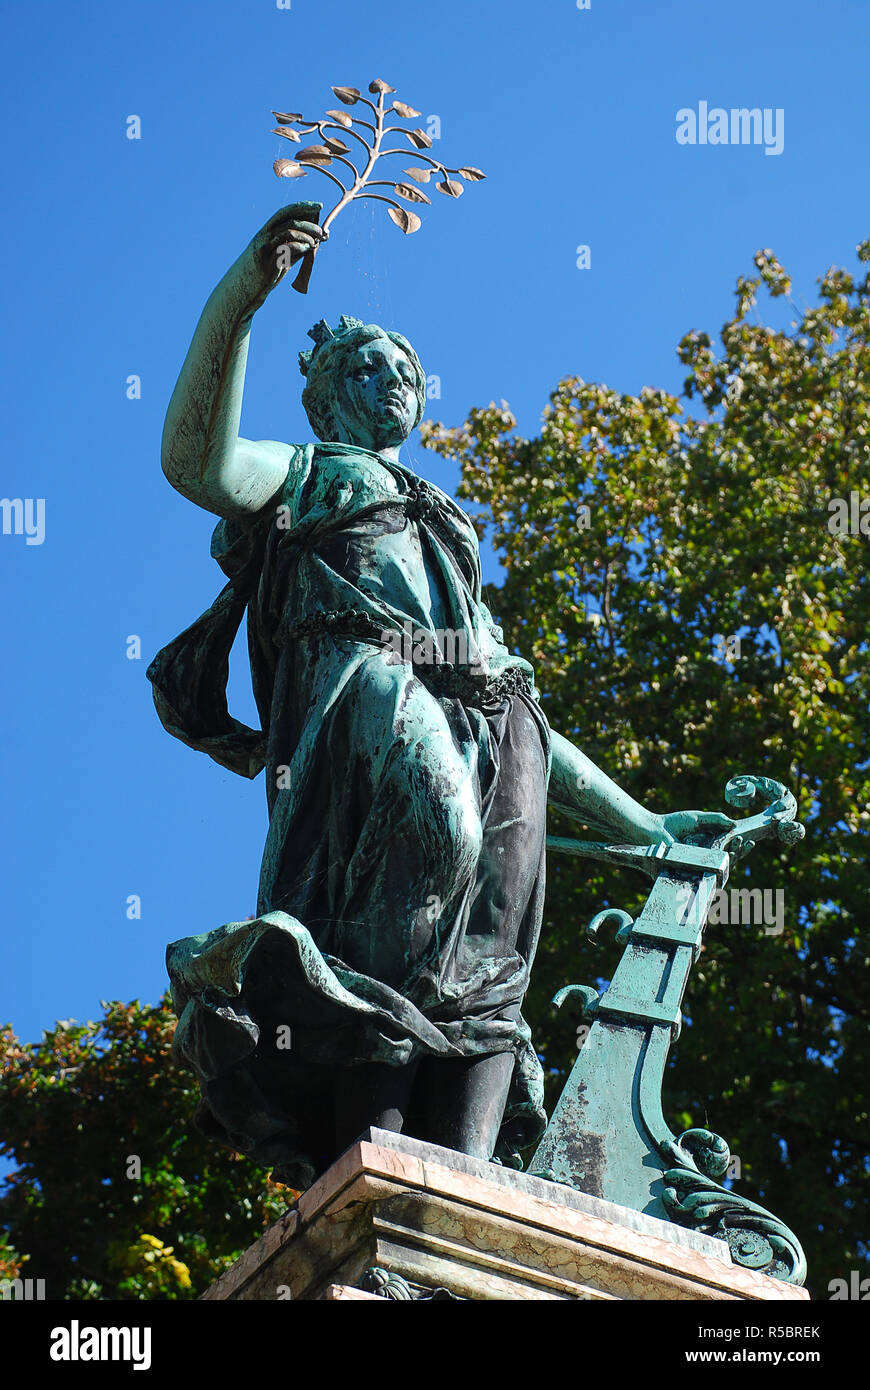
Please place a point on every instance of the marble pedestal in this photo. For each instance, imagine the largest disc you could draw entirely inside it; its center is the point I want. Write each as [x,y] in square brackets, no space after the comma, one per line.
[433,1223]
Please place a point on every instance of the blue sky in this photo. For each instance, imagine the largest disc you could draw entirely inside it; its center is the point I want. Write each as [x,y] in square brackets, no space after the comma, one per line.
[111,247]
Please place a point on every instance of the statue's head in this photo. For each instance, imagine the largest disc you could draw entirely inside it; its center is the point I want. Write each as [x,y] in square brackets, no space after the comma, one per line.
[364,384]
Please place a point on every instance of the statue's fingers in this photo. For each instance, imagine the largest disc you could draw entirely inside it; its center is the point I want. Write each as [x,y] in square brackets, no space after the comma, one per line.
[297,245]
[297,236]
[312,230]
[297,212]
[305,209]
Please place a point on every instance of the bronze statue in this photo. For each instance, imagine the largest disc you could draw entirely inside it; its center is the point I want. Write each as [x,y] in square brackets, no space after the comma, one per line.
[407,779]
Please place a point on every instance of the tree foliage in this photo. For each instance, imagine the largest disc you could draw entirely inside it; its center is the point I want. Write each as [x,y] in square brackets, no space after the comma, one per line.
[639,539]
[77,1110]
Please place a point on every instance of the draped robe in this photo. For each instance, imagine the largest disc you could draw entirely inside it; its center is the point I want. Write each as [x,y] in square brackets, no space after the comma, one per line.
[402,881]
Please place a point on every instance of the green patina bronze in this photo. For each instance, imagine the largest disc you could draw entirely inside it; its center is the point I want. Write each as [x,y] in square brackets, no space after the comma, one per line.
[408,765]
[607,1135]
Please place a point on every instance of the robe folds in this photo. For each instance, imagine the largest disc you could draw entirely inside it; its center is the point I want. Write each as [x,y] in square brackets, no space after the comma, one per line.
[402,882]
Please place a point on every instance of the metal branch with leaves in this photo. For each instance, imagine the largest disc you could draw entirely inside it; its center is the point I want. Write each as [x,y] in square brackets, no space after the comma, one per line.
[333,151]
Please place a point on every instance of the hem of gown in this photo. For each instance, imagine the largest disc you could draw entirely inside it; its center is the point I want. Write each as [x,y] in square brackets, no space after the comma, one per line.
[234,989]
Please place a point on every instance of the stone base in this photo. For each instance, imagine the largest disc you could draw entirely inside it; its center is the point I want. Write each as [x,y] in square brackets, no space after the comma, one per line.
[450,1226]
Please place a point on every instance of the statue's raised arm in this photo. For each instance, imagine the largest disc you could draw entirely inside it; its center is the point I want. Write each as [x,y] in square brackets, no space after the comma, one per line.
[202,454]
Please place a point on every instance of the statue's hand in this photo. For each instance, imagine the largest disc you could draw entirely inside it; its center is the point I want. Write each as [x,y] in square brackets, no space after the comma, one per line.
[283,241]
[696,827]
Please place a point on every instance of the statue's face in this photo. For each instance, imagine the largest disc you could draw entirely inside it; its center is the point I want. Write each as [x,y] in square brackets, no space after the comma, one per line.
[378,405]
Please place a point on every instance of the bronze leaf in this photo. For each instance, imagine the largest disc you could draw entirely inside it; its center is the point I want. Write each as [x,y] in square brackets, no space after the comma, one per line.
[287,117]
[378,85]
[408,221]
[341,118]
[314,154]
[452,187]
[402,108]
[420,139]
[419,175]
[349,95]
[287,134]
[413,195]
[473,175]
[289,169]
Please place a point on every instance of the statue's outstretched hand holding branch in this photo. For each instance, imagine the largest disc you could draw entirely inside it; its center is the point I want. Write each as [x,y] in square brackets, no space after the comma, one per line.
[581,790]
[202,454]
[283,241]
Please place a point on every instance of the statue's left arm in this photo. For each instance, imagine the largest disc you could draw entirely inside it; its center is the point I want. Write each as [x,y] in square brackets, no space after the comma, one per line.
[581,790]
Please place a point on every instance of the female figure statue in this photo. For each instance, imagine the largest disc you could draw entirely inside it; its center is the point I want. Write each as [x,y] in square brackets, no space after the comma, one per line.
[408,766]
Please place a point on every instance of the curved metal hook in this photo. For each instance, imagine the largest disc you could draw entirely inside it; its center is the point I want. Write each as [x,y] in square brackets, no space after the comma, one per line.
[625,920]
[588,997]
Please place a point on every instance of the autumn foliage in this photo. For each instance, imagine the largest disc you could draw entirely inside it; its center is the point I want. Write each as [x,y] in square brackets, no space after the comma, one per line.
[115,1194]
